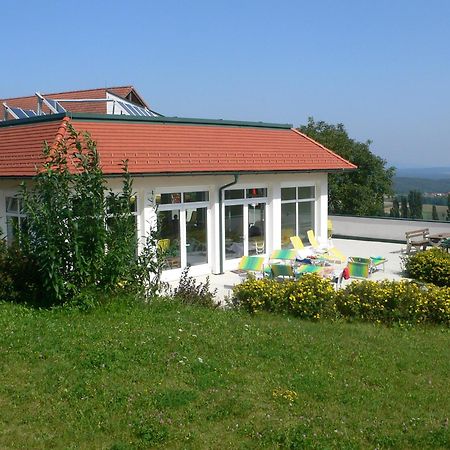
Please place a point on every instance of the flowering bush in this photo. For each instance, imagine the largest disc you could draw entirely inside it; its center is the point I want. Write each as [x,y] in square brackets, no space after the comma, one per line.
[380,302]
[260,295]
[310,298]
[384,301]
[432,266]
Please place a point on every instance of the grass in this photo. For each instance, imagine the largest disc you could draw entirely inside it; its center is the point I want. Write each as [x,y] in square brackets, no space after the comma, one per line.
[129,376]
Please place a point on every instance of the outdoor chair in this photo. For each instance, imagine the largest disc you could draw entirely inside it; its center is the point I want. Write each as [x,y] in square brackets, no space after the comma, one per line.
[377,261]
[313,241]
[250,264]
[283,255]
[163,249]
[445,244]
[332,254]
[359,267]
[297,242]
[307,268]
[282,272]
[329,228]
[417,239]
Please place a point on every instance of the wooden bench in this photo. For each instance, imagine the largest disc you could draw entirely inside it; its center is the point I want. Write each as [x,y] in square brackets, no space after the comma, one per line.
[417,239]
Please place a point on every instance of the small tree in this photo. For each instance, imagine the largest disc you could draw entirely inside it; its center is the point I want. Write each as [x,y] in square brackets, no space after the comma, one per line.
[395,210]
[434,213]
[415,204]
[448,207]
[403,207]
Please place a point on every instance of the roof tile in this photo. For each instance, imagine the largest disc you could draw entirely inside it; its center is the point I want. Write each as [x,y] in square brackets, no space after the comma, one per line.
[158,148]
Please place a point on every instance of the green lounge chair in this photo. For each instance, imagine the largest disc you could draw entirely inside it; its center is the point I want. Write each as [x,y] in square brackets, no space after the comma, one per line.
[359,267]
[283,255]
[377,261]
[250,264]
[307,268]
[282,272]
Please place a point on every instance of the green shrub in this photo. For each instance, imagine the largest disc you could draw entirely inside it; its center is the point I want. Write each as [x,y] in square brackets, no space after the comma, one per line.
[431,266]
[19,276]
[385,301]
[260,295]
[379,302]
[311,297]
[190,292]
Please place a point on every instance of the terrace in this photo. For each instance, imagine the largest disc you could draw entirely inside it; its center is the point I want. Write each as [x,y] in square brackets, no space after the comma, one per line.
[364,237]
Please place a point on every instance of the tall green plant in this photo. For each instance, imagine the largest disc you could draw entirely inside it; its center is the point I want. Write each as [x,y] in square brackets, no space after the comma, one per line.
[80,235]
[49,236]
[415,202]
[121,239]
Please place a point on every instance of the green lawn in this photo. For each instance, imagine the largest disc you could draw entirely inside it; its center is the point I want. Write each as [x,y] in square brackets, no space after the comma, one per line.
[123,377]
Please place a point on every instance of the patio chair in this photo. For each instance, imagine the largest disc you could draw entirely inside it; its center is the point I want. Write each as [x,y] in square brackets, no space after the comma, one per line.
[307,268]
[250,264]
[330,228]
[445,244]
[377,261]
[359,267]
[282,272]
[163,249]
[332,254]
[297,242]
[283,255]
[313,241]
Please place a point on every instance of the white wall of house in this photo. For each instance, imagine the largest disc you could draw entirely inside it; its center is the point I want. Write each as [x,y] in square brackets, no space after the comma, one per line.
[147,187]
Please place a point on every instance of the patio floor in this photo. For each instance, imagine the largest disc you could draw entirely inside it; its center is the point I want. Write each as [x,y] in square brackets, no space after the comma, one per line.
[392,252]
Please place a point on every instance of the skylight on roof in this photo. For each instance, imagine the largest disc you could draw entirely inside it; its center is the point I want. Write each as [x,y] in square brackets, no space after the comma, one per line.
[19,113]
[134,110]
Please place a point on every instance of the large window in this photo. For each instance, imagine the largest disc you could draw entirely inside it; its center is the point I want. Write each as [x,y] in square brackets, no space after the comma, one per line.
[15,218]
[245,222]
[297,212]
[183,222]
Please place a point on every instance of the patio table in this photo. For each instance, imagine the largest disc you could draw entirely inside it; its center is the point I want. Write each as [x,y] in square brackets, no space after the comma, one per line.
[436,239]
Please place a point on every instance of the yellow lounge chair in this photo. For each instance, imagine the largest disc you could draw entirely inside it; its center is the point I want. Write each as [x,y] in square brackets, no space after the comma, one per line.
[297,242]
[331,253]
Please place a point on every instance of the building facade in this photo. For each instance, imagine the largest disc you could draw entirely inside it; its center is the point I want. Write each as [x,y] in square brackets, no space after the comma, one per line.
[218,189]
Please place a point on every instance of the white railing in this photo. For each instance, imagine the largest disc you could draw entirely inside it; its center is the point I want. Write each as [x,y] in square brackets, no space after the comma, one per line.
[383,228]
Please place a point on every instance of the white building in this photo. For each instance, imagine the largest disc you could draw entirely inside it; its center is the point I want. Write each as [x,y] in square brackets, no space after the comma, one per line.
[223,188]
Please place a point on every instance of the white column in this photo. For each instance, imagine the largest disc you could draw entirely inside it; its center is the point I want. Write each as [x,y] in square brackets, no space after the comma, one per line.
[213,230]
[2,215]
[274,225]
[323,209]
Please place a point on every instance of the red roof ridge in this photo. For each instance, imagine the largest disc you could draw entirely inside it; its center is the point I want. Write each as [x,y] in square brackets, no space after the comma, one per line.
[325,148]
[61,132]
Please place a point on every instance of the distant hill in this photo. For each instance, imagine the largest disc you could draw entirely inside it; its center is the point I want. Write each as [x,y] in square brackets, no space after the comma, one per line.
[403,185]
[431,173]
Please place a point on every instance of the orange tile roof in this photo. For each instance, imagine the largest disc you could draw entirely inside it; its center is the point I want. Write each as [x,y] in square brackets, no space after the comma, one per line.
[21,147]
[30,102]
[170,146]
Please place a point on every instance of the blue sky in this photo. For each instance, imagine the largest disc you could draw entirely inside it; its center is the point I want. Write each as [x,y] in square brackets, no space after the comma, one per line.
[382,68]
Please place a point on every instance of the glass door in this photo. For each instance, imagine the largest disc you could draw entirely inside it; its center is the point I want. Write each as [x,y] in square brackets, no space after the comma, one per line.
[256,228]
[234,231]
[245,222]
[196,236]
[183,222]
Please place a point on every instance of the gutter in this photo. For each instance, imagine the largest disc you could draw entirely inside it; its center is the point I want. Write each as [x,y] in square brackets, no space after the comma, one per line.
[221,234]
